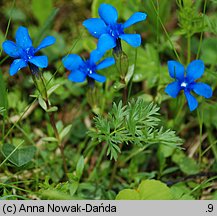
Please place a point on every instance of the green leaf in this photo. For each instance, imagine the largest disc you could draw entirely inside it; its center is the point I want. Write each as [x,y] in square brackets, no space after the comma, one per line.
[147,64]
[42,103]
[73,187]
[154,190]
[65,131]
[186,164]
[181,192]
[128,194]
[41,9]
[54,194]
[17,16]
[21,156]
[122,63]
[189,166]
[147,190]
[119,85]
[80,167]
[129,73]
[208,51]
[136,123]
[52,109]
[53,88]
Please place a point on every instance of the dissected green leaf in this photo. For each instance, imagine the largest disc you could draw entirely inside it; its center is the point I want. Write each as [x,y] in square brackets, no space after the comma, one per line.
[135,123]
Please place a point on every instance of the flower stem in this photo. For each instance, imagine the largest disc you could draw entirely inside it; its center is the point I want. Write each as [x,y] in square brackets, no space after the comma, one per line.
[212,142]
[122,64]
[179,114]
[99,160]
[201,34]
[189,49]
[39,82]
[114,170]
[60,144]
[167,34]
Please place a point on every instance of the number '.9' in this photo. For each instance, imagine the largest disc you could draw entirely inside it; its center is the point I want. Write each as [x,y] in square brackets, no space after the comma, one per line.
[210,208]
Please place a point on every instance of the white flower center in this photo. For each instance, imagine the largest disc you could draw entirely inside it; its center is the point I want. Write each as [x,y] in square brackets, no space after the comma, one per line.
[184,84]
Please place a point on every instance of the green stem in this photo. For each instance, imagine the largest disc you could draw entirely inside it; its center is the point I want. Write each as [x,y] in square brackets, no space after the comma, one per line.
[131,80]
[99,160]
[212,142]
[41,86]
[8,25]
[189,49]
[60,143]
[11,153]
[3,130]
[114,170]
[21,116]
[200,120]
[201,34]
[4,59]
[180,105]
[123,72]
[167,35]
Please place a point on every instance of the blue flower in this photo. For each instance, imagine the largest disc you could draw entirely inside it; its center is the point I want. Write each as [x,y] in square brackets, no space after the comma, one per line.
[187,82]
[107,25]
[24,52]
[81,69]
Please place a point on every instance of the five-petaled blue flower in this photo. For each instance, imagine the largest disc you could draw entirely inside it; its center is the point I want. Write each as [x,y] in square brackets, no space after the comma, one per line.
[80,69]
[24,52]
[108,25]
[187,83]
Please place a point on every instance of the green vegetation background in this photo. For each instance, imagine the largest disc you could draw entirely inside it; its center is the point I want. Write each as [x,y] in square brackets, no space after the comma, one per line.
[31,166]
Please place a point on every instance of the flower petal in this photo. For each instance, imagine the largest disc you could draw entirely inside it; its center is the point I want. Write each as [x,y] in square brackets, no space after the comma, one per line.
[176,70]
[16,66]
[72,61]
[49,40]
[95,56]
[136,17]
[173,89]
[192,102]
[97,77]
[22,38]
[39,61]
[133,39]
[105,63]
[11,49]
[105,43]
[108,13]
[95,26]
[77,76]
[195,70]
[202,89]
